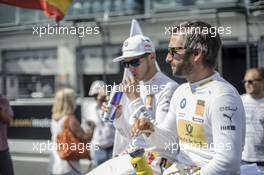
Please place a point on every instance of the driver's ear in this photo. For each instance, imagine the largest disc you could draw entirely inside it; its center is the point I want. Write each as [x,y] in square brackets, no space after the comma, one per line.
[198,55]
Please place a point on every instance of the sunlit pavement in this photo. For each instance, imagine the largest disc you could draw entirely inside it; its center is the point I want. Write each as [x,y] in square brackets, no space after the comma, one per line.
[26,161]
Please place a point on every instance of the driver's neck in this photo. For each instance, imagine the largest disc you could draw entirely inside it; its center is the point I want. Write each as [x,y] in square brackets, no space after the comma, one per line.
[198,75]
[150,74]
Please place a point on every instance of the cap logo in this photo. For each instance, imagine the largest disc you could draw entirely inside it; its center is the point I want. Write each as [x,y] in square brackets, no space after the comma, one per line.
[147,45]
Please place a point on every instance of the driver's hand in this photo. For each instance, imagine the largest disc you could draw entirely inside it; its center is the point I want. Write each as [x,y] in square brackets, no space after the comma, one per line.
[142,125]
[105,108]
[131,88]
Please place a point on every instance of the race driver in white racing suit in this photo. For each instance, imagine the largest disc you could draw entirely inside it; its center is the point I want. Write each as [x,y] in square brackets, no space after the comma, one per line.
[206,114]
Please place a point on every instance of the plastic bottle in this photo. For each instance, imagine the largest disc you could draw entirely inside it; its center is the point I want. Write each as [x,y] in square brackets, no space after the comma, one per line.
[139,162]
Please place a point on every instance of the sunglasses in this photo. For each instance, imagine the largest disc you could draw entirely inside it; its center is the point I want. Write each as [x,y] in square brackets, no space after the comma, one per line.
[135,62]
[173,51]
[251,81]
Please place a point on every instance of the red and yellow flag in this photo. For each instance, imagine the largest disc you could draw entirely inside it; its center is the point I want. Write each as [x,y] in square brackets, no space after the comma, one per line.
[52,8]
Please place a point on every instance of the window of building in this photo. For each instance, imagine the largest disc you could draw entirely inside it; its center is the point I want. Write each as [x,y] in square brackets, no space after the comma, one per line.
[29,73]
[7,14]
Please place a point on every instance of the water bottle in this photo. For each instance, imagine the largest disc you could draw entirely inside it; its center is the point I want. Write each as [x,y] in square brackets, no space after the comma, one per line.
[114,101]
[139,162]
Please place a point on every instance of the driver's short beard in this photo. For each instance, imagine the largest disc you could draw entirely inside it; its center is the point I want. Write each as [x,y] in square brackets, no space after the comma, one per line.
[185,68]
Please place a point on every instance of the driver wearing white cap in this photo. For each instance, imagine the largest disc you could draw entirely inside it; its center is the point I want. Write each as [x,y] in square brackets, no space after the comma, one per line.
[135,46]
[151,101]
[153,98]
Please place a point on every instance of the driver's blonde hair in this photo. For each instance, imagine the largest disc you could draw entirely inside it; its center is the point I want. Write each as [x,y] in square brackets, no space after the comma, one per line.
[64,103]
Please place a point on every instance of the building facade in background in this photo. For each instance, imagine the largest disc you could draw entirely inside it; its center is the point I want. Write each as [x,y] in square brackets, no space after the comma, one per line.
[36,59]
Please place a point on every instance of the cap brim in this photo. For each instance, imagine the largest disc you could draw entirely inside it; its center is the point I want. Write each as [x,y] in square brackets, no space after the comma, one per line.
[123,57]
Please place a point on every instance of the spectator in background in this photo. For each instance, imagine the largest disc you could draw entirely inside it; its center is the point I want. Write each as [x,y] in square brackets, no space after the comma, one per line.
[104,133]
[63,107]
[253,102]
[6,115]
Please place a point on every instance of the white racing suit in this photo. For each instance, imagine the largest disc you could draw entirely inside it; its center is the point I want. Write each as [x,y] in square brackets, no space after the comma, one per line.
[154,103]
[208,118]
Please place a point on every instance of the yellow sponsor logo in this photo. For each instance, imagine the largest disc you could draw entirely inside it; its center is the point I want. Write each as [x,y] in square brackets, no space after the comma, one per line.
[199,110]
[190,132]
[149,101]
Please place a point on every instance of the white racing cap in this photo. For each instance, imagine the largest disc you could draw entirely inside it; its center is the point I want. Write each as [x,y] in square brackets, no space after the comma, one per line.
[135,46]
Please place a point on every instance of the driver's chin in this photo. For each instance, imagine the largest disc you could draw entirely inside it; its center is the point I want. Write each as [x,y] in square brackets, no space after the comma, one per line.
[138,78]
[177,72]
[179,75]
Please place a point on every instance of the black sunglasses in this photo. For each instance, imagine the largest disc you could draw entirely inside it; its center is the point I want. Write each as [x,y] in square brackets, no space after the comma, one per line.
[135,62]
[251,81]
[173,51]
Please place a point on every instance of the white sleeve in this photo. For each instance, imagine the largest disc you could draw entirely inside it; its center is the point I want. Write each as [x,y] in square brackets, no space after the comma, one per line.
[227,118]
[162,108]
[137,108]
[164,102]
[122,126]
[165,134]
